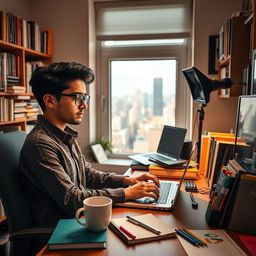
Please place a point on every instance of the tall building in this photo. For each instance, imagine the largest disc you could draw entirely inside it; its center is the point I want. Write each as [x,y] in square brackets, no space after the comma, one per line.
[158,97]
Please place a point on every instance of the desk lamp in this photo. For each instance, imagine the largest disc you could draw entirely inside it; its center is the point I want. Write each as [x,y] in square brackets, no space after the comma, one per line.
[201,88]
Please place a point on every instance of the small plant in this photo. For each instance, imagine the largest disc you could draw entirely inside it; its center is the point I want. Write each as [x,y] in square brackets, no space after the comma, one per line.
[105,143]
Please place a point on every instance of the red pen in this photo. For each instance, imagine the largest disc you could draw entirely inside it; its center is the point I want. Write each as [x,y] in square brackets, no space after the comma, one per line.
[127,232]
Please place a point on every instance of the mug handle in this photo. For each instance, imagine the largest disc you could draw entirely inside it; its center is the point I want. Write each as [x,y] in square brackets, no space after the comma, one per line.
[78,212]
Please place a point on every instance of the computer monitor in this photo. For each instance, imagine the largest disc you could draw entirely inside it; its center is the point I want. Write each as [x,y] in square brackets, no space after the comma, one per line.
[246,119]
[246,130]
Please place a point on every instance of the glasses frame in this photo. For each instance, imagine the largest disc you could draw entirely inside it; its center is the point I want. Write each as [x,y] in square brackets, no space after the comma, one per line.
[85,98]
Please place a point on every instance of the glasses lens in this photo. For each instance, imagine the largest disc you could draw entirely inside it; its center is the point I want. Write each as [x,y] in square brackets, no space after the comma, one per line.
[82,98]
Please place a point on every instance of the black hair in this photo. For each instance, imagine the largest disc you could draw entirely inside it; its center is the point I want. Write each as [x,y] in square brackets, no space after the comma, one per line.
[54,78]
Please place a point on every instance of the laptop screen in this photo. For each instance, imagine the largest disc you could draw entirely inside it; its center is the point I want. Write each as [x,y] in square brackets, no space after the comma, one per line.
[171,141]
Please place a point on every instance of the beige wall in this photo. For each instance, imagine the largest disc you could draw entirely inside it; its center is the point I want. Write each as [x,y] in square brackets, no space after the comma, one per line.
[70,23]
[20,8]
[220,114]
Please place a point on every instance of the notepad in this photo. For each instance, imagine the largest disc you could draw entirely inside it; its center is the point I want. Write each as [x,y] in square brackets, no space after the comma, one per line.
[68,234]
[142,235]
[222,246]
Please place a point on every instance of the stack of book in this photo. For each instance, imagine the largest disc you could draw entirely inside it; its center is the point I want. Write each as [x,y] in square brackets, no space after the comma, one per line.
[216,150]
[177,173]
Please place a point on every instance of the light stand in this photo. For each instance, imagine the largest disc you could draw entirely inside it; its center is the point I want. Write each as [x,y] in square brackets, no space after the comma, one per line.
[201,87]
[200,110]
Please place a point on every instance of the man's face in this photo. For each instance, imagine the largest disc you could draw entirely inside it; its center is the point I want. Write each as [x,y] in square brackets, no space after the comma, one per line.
[68,110]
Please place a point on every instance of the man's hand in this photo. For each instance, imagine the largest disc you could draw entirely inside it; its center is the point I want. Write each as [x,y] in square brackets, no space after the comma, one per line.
[140,187]
[143,177]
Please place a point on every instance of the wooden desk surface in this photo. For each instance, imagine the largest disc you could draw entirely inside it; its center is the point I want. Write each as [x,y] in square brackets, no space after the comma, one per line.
[182,216]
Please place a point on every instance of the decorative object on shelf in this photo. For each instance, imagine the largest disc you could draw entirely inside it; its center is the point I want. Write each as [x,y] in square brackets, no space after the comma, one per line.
[213,54]
[105,143]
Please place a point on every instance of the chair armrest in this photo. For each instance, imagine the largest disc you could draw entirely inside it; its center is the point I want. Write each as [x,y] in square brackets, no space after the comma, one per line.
[30,232]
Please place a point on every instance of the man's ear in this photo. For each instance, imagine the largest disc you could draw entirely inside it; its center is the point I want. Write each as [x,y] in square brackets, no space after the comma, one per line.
[49,100]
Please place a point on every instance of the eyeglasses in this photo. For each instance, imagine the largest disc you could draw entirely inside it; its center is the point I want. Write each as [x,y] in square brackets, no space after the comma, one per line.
[79,98]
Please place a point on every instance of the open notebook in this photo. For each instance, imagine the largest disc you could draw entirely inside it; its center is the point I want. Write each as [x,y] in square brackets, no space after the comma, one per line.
[142,235]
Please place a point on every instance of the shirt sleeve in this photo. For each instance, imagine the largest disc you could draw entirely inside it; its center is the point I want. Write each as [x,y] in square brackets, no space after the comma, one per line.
[45,171]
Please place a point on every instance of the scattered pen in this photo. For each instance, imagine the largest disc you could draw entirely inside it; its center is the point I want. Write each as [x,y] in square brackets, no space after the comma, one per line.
[127,232]
[190,240]
[198,239]
[139,223]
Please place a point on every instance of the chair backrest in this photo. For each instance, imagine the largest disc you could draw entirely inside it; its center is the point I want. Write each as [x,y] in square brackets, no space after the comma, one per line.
[11,192]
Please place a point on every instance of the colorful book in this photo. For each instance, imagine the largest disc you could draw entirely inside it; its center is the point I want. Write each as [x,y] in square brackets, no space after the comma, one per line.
[68,234]
[161,172]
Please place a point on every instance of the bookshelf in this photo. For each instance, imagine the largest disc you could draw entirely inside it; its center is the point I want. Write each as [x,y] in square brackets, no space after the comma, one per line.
[23,46]
[234,45]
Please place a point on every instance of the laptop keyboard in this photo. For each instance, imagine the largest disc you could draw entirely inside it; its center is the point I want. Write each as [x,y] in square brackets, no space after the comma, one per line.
[162,158]
[164,191]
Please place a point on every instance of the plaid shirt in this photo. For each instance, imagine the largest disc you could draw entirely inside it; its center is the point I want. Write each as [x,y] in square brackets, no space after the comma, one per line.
[57,177]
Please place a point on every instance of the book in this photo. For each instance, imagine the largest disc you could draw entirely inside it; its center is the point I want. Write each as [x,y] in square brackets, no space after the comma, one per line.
[249,242]
[136,165]
[218,243]
[142,234]
[161,172]
[68,234]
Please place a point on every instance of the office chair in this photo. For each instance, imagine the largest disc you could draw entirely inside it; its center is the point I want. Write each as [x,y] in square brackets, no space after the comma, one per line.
[13,198]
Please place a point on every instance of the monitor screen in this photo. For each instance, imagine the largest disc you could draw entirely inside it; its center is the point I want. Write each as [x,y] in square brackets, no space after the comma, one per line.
[246,119]
[246,132]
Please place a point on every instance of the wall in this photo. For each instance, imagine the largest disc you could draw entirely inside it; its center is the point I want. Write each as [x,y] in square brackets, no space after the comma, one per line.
[70,23]
[17,7]
[220,114]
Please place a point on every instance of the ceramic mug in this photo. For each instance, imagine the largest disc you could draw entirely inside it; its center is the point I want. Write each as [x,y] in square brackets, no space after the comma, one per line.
[97,212]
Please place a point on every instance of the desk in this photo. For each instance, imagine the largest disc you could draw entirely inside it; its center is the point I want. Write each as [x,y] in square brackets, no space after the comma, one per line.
[182,216]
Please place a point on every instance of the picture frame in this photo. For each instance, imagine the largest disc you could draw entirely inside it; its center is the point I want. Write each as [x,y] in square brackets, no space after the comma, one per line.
[213,54]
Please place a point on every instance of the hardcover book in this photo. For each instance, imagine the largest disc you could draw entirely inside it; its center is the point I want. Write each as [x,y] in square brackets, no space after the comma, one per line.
[68,234]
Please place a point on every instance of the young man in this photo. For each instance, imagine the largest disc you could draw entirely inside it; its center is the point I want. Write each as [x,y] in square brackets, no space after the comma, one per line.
[54,172]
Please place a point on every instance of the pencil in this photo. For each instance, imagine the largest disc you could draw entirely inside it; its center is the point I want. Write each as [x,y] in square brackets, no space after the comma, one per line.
[194,235]
[189,234]
[187,238]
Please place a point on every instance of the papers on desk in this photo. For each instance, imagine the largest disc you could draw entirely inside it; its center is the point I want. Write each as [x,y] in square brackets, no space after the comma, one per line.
[218,241]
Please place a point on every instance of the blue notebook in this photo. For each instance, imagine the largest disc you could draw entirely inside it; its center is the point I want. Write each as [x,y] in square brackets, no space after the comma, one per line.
[68,234]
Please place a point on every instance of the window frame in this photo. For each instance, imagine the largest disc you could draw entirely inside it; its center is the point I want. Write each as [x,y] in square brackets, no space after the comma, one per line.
[105,55]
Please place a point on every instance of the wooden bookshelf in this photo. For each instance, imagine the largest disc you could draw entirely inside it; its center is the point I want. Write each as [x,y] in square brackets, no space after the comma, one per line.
[234,54]
[9,97]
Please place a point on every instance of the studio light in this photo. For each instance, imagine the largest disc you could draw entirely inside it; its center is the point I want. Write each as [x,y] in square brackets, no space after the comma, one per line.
[201,87]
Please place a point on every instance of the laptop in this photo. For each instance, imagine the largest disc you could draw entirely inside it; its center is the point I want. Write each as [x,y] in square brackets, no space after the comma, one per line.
[169,191]
[169,148]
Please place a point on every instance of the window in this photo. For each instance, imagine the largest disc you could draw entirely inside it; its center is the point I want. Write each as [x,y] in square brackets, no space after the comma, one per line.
[141,90]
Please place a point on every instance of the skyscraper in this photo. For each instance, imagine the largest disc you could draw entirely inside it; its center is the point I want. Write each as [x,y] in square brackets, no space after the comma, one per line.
[158,97]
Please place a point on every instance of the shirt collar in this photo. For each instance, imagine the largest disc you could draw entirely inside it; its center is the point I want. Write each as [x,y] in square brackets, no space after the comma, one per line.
[68,135]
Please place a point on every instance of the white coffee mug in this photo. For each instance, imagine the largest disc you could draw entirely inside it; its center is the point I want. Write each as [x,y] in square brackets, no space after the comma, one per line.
[97,212]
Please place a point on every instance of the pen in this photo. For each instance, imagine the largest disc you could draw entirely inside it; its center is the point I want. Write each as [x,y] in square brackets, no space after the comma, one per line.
[190,240]
[195,236]
[194,203]
[139,223]
[127,232]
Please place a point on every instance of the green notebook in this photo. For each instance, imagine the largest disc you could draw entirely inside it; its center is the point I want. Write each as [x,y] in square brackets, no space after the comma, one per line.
[68,234]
